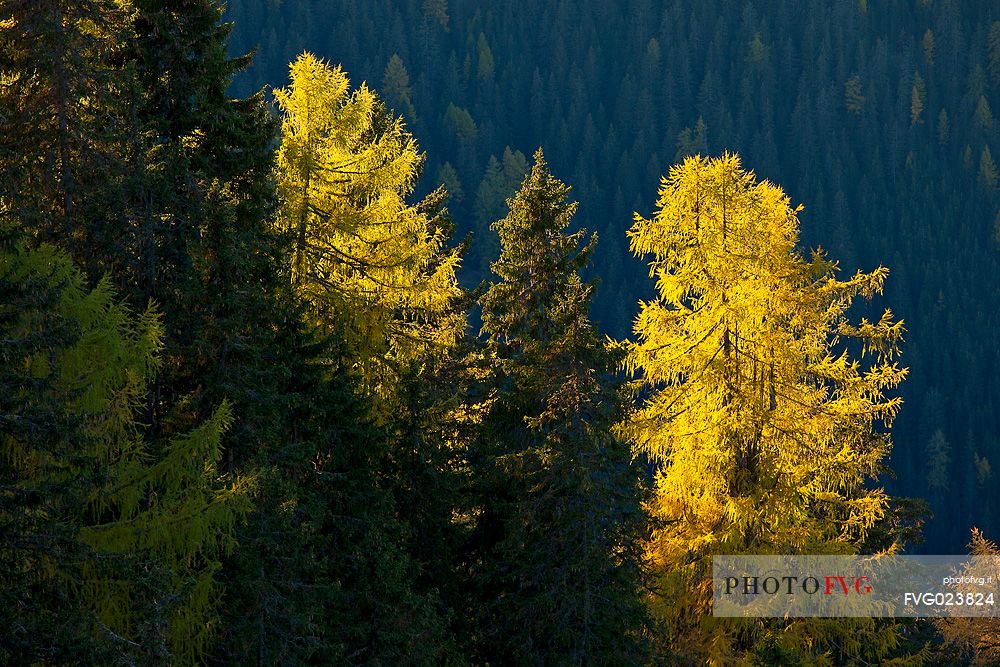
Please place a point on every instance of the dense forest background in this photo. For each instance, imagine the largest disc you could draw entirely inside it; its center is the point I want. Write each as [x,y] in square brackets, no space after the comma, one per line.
[878,116]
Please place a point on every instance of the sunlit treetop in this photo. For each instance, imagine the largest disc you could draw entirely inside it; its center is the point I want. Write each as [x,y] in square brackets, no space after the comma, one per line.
[765,409]
[364,257]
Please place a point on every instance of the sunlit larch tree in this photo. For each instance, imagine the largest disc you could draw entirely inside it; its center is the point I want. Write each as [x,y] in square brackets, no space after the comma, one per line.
[763,425]
[976,640]
[364,257]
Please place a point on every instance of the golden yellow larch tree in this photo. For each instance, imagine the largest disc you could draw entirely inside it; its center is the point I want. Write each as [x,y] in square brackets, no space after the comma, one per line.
[765,410]
[364,257]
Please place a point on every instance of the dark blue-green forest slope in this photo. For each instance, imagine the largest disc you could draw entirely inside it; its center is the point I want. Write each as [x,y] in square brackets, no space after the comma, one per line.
[878,116]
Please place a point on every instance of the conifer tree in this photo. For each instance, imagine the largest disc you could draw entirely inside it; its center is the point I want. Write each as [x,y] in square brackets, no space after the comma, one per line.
[500,181]
[198,242]
[988,174]
[485,65]
[943,128]
[202,244]
[110,542]
[918,98]
[937,456]
[976,640]
[692,140]
[461,123]
[60,95]
[396,88]
[324,571]
[449,178]
[930,47]
[984,115]
[152,174]
[561,514]
[192,231]
[763,429]
[854,99]
[993,43]
[438,10]
[363,256]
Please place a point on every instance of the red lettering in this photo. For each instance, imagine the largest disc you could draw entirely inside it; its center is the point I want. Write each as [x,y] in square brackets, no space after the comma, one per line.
[831,584]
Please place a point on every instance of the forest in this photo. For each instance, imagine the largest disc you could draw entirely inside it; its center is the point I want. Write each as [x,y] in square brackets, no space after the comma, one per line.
[417,332]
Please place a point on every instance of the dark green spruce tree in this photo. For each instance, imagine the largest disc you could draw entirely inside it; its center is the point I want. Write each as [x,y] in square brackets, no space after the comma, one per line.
[60,127]
[199,243]
[322,575]
[323,572]
[562,513]
[430,430]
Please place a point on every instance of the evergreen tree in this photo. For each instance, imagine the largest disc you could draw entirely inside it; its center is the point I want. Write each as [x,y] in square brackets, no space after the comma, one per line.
[396,88]
[60,152]
[438,10]
[993,56]
[193,232]
[988,174]
[110,545]
[763,430]
[500,181]
[930,47]
[918,98]
[562,572]
[485,65]
[177,192]
[943,128]
[125,149]
[854,99]
[436,421]
[984,115]
[204,246]
[461,123]
[199,241]
[692,140]
[326,572]
[323,573]
[937,455]
[448,177]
